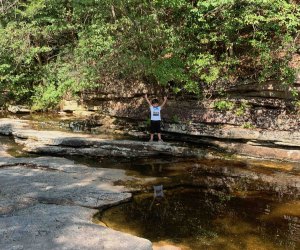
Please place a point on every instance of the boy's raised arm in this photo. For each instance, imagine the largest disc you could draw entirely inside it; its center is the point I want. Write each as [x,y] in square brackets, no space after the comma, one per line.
[165,100]
[146,97]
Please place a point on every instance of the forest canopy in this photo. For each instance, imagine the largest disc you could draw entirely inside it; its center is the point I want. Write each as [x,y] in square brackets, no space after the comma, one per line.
[53,48]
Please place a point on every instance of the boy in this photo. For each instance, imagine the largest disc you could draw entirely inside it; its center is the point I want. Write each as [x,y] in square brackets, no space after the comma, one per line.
[155,117]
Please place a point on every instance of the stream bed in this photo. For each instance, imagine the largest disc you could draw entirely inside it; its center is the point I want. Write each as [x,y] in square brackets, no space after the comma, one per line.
[207,204]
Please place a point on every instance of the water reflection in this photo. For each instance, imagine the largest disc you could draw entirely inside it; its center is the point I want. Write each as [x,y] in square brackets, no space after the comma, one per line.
[11,148]
[232,206]
[197,219]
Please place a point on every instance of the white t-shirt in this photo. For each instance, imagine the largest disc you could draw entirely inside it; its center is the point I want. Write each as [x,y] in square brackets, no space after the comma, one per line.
[155,113]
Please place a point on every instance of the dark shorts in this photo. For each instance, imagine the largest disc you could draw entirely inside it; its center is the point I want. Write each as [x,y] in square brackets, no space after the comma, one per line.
[155,127]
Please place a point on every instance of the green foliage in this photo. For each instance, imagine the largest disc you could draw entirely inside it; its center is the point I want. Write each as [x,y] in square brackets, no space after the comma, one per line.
[223,105]
[297,104]
[148,122]
[205,67]
[241,109]
[175,119]
[51,49]
[224,197]
[248,125]
[167,70]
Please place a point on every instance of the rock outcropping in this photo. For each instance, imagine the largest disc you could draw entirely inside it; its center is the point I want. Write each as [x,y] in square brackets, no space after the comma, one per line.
[264,117]
[62,143]
[279,145]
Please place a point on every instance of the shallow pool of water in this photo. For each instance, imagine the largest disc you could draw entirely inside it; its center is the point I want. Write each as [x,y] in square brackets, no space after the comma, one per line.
[12,148]
[196,219]
[211,204]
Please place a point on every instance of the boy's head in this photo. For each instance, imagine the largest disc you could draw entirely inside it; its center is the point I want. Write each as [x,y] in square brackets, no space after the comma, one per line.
[155,102]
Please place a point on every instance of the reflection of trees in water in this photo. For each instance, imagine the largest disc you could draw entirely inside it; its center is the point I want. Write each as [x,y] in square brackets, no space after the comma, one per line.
[177,216]
[191,214]
[156,168]
[160,208]
[293,233]
[285,227]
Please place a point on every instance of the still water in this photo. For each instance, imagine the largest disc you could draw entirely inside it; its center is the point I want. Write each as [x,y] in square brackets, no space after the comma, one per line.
[196,219]
[212,204]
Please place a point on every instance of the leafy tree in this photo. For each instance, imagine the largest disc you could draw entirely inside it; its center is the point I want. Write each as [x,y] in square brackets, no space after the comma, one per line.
[51,49]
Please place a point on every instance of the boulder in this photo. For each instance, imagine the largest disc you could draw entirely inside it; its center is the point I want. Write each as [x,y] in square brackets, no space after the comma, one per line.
[70,106]
[18,109]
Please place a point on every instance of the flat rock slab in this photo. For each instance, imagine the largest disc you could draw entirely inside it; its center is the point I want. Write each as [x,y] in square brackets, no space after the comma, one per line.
[51,227]
[62,143]
[59,181]
[10,126]
[277,145]
[280,138]
[3,151]
[48,203]
[102,148]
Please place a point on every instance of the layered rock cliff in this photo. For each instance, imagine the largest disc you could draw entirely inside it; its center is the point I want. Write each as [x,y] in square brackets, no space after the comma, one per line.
[260,120]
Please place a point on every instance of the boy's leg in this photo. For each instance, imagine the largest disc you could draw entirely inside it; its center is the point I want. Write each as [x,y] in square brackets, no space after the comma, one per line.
[159,136]
[152,130]
[151,137]
[159,130]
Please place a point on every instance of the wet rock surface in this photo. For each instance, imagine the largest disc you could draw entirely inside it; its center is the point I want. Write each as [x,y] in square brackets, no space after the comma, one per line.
[265,144]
